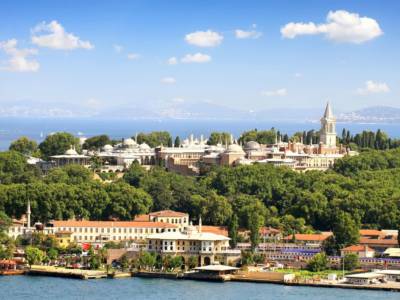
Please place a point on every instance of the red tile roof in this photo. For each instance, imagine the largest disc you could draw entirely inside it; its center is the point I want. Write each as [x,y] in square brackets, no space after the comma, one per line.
[85,223]
[309,236]
[221,230]
[357,248]
[269,230]
[168,213]
[142,218]
[370,232]
[383,242]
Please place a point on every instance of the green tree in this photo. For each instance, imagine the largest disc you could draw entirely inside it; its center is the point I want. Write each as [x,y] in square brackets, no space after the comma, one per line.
[318,263]
[95,163]
[96,142]
[135,174]
[147,260]
[94,261]
[124,261]
[177,142]
[52,253]
[34,255]
[24,146]
[14,168]
[351,261]
[255,222]
[233,230]
[219,138]
[192,262]
[58,143]
[155,138]
[345,229]
[5,222]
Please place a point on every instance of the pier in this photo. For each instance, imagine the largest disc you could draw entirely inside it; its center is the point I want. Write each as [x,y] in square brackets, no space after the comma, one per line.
[67,273]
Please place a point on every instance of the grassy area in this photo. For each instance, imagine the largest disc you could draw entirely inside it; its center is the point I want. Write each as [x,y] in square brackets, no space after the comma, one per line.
[309,274]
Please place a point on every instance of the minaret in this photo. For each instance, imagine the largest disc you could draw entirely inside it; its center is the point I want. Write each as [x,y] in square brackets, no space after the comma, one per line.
[328,128]
[28,214]
[200,224]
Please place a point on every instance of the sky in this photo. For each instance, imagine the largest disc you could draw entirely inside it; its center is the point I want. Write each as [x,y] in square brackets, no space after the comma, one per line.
[171,58]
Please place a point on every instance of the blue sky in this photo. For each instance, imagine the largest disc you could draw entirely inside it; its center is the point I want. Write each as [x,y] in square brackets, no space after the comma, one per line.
[119,62]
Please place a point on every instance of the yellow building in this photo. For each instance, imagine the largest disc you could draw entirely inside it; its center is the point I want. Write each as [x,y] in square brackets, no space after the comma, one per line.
[64,238]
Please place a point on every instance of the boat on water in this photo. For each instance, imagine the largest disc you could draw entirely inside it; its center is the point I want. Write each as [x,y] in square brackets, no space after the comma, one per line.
[9,267]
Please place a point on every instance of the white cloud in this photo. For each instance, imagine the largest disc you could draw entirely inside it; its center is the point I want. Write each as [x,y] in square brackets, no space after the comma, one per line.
[340,26]
[277,93]
[18,58]
[172,60]
[133,56]
[52,35]
[204,38]
[298,75]
[372,87]
[196,58]
[248,34]
[118,48]
[168,80]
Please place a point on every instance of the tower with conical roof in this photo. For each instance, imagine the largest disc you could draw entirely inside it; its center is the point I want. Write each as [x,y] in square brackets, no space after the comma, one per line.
[328,128]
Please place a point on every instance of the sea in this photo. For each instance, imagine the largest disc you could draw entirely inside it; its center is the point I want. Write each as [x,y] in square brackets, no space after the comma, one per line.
[38,128]
[43,288]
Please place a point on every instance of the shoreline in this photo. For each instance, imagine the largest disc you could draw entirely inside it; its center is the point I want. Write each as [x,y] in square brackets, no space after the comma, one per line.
[87,274]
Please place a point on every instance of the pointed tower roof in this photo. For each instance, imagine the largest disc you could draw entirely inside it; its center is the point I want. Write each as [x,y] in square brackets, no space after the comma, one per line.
[328,111]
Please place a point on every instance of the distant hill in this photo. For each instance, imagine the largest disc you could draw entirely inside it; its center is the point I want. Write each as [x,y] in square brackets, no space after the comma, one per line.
[373,114]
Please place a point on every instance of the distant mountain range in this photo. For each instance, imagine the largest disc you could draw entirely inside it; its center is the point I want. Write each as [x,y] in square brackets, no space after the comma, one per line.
[193,110]
[373,114]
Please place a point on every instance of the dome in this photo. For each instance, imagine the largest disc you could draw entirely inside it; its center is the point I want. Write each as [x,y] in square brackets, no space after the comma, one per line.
[108,147]
[144,146]
[71,151]
[129,142]
[235,148]
[252,145]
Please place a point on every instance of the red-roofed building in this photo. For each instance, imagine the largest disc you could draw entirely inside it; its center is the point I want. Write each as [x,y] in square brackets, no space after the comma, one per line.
[379,240]
[361,250]
[97,232]
[221,230]
[167,216]
[309,238]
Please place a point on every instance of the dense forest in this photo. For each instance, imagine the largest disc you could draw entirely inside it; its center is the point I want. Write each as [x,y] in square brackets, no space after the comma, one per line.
[360,191]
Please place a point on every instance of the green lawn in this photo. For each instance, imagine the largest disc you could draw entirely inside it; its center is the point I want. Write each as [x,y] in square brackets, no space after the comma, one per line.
[309,274]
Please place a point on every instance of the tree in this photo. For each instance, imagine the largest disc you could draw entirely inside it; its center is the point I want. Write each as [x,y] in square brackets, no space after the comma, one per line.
[345,229]
[398,235]
[155,138]
[146,260]
[52,253]
[176,262]
[24,146]
[219,138]
[34,255]
[233,230]
[192,262]
[5,222]
[135,174]
[351,261]
[124,261]
[95,163]
[57,144]
[14,168]
[255,222]
[177,142]
[96,142]
[318,263]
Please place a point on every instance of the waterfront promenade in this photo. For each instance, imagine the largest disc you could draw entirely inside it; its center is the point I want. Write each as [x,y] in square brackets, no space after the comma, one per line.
[44,288]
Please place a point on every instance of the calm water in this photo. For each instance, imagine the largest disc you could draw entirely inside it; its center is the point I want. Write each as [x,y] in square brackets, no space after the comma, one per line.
[25,287]
[12,128]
